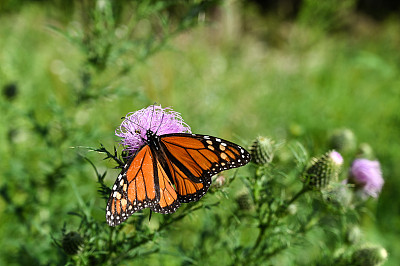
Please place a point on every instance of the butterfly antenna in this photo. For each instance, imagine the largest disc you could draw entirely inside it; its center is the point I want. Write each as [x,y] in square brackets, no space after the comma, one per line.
[151,119]
[162,119]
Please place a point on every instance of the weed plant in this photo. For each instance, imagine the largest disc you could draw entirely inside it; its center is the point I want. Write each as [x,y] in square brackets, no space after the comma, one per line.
[326,80]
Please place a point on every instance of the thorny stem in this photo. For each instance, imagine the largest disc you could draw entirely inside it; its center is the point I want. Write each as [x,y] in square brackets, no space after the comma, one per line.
[297,234]
[274,252]
[265,225]
[114,156]
[162,227]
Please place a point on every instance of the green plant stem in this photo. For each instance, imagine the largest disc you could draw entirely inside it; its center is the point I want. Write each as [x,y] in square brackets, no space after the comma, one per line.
[295,197]
[264,225]
[110,242]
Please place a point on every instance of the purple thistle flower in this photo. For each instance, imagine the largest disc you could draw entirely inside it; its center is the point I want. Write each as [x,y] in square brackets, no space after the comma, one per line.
[155,118]
[367,176]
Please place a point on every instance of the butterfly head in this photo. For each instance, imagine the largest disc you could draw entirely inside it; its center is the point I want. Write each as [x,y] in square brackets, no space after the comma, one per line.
[140,127]
[149,134]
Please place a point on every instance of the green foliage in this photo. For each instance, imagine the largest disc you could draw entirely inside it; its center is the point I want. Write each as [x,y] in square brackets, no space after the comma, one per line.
[277,220]
[326,15]
[68,75]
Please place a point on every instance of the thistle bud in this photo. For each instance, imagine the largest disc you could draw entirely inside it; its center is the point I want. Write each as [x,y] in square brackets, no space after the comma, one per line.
[369,255]
[10,91]
[365,151]
[323,170]
[220,181]
[72,243]
[366,255]
[244,201]
[262,150]
[343,140]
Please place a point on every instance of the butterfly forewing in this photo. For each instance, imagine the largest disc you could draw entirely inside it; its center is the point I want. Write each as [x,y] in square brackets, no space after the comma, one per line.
[135,188]
[193,159]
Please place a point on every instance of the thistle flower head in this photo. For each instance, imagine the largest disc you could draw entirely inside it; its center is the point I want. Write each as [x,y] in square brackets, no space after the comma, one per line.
[367,176]
[323,170]
[361,255]
[10,91]
[155,118]
[365,151]
[343,140]
[262,150]
[244,201]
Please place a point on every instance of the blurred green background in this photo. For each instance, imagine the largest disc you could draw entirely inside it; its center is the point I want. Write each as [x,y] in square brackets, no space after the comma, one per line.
[69,70]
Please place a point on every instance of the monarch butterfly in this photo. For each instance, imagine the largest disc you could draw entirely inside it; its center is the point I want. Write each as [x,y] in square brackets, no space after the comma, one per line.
[169,169]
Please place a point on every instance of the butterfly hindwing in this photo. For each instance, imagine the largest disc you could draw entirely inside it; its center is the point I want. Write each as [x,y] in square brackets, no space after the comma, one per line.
[136,187]
[193,159]
[168,202]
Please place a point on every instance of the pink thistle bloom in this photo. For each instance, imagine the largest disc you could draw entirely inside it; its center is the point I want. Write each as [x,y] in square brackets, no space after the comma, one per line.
[336,157]
[155,118]
[367,176]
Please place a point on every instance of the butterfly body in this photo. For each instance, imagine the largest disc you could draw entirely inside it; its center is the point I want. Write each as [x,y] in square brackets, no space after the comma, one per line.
[168,170]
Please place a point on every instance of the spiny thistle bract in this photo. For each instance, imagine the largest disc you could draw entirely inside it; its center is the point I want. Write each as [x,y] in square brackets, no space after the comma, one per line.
[262,150]
[323,170]
[72,243]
